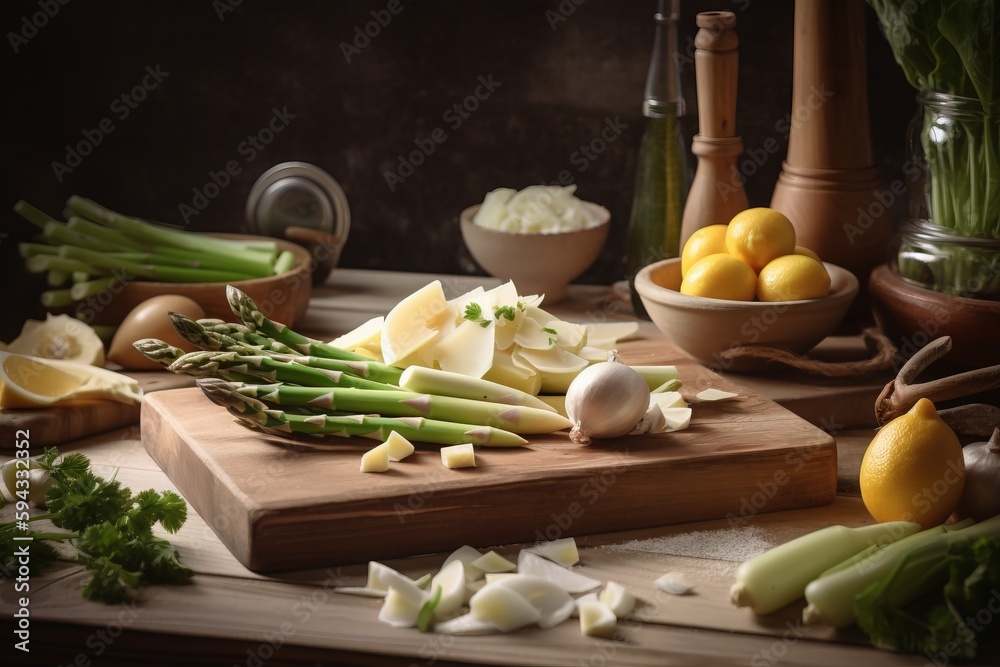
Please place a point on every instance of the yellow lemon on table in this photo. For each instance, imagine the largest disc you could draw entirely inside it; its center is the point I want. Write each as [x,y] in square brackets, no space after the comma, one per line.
[793,277]
[720,276]
[33,382]
[913,469]
[702,243]
[758,235]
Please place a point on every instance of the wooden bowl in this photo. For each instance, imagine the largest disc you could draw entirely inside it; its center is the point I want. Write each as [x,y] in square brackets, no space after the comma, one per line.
[283,298]
[705,328]
[912,316]
[537,263]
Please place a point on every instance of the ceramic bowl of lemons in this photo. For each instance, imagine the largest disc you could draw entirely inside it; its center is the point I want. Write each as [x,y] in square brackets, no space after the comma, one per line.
[705,327]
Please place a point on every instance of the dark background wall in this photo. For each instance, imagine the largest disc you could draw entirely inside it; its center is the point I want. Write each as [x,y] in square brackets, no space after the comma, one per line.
[564,69]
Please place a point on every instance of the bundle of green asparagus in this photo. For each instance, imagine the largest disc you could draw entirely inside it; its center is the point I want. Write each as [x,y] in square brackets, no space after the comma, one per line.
[95,247]
[274,379]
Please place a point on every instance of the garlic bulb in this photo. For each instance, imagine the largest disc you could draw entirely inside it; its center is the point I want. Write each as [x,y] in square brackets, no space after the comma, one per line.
[981,494]
[606,400]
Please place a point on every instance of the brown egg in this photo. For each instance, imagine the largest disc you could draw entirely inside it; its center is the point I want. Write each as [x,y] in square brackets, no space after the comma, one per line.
[149,320]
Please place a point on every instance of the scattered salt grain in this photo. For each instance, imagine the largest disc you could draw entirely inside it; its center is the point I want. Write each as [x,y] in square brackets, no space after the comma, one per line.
[726,544]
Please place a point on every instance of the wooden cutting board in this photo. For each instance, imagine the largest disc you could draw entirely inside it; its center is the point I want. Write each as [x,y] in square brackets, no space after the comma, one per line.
[281,505]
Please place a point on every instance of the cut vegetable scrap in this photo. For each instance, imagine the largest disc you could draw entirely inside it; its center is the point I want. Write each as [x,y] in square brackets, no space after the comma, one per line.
[454,593]
[674,583]
[413,322]
[376,459]
[367,335]
[618,599]
[459,456]
[541,593]
[573,582]
[492,562]
[398,446]
[562,551]
[507,609]
[596,619]
[715,395]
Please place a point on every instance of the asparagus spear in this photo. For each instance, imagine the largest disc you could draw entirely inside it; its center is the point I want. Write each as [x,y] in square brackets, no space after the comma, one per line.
[205,363]
[256,414]
[158,350]
[245,309]
[515,418]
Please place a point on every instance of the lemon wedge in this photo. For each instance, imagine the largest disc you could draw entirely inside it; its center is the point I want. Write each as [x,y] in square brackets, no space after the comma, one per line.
[59,337]
[33,382]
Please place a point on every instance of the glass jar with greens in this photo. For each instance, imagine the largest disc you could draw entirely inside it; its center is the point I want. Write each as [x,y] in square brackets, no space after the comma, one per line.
[950,51]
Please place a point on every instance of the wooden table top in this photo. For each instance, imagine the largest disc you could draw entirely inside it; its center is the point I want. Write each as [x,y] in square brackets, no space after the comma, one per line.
[232,616]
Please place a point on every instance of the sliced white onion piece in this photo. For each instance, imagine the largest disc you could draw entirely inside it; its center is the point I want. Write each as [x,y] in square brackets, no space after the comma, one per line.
[569,580]
[562,551]
[596,619]
[619,599]
[504,607]
[674,583]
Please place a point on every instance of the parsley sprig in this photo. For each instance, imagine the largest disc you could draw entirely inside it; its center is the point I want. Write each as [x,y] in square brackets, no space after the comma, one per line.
[474,313]
[110,527]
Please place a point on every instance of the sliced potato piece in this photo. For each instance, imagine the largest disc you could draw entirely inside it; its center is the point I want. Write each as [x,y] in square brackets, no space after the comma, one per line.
[467,350]
[459,456]
[375,459]
[398,446]
[367,335]
[504,371]
[531,335]
[414,321]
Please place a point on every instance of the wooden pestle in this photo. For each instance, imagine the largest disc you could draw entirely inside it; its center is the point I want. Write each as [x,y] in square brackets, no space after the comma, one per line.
[717,192]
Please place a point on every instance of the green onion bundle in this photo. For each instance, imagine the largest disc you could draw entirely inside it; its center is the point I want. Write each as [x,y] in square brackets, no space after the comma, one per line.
[95,247]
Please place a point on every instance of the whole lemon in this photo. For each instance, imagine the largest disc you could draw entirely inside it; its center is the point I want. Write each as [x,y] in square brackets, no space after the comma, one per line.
[792,277]
[720,276]
[702,243]
[913,469]
[802,250]
[758,235]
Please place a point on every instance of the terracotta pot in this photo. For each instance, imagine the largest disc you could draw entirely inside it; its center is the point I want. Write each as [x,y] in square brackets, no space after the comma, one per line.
[912,316]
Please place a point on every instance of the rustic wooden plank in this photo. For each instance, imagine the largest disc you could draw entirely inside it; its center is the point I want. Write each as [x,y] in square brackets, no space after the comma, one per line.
[253,618]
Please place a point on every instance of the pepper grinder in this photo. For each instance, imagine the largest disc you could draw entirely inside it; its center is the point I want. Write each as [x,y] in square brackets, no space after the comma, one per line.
[717,192]
[829,186]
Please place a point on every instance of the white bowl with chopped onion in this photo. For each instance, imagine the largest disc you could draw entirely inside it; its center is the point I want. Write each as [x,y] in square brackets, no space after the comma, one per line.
[541,238]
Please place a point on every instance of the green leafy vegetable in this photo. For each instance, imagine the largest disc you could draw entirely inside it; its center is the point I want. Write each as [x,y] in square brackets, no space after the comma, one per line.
[950,51]
[110,527]
[964,577]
